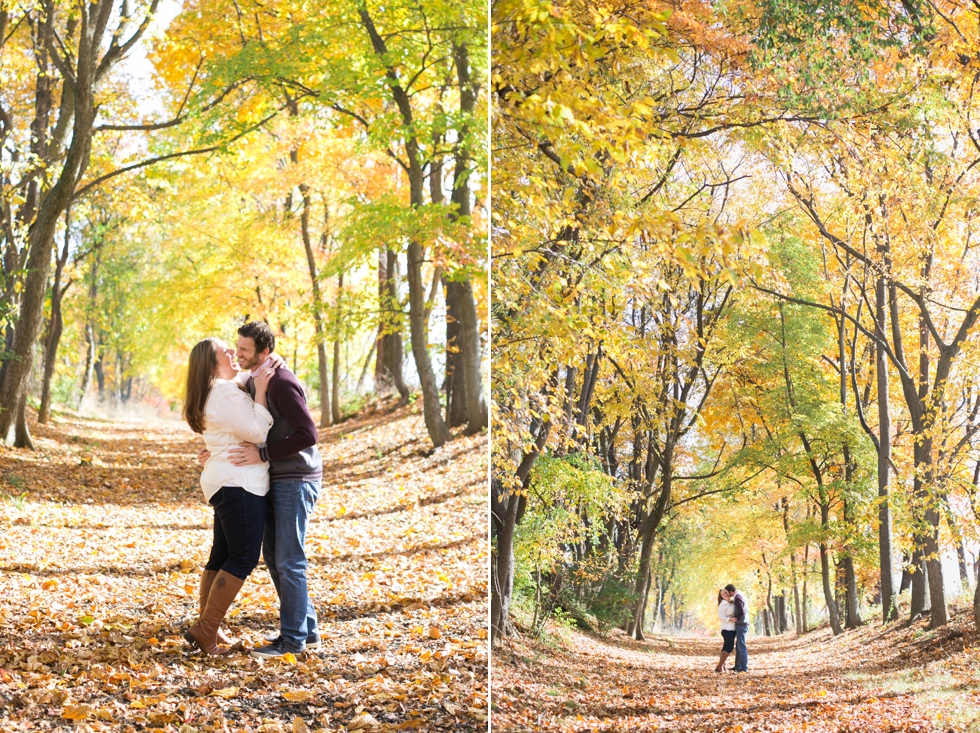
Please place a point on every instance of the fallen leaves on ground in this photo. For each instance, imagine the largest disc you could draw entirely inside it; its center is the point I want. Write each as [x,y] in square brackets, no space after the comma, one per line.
[104,534]
[870,680]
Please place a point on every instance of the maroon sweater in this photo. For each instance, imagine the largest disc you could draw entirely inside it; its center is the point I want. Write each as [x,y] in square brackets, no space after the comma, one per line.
[291,444]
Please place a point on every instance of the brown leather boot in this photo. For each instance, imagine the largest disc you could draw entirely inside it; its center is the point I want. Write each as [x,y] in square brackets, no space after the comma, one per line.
[207,578]
[221,595]
[721,662]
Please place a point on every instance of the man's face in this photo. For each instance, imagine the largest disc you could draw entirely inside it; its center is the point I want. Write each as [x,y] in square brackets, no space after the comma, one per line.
[248,359]
[726,595]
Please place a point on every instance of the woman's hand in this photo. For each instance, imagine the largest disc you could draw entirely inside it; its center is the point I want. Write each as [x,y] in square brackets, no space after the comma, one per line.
[262,377]
[261,381]
[277,361]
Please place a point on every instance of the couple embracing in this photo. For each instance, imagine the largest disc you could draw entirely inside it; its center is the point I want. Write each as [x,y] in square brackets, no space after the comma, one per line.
[262,475]
[734,616]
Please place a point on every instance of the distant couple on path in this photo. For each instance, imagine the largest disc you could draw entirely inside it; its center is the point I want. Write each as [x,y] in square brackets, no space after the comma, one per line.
[734,616]
[262,475]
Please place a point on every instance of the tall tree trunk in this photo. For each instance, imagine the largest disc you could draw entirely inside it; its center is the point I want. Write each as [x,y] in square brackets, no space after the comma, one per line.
[976,604]
[828,593]
[418,322]
[470,356]
[338,331]
[390,350]
[506,511]
[22,433]
[321,348]
[89,363]
[925,493]
[648,532]
[852,618]
[797,616]
[455,384]
[470,353]
[56,326]
[804,601]
[889,598]
[920,601]
[418,310]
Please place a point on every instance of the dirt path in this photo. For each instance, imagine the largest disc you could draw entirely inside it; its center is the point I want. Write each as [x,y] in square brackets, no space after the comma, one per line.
[104,532]
[870,680]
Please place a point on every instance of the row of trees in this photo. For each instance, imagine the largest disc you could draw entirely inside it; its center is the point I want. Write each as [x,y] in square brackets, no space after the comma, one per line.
[322,169]
[735,274]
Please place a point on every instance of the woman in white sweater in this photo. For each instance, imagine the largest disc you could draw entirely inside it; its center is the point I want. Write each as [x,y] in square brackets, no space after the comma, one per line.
[726,613]
[217,406]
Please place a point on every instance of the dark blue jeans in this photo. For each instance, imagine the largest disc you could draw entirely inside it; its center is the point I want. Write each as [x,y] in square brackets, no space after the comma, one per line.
[238,521]
[289,506]
[741,651]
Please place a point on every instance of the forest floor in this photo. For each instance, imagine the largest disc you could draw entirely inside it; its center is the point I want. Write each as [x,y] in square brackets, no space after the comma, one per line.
[104,531]
[869,680]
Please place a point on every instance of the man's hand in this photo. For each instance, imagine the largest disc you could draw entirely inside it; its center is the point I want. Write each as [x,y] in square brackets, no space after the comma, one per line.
[245,455]
[203,456]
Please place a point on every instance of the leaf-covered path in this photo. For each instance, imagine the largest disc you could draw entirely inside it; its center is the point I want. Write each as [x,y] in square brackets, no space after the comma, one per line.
[868,681]
[104,532]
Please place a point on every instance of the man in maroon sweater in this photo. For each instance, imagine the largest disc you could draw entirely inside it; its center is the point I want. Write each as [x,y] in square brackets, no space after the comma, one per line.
[295,474]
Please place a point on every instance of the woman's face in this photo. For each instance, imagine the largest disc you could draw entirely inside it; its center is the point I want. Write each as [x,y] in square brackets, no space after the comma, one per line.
[227,365]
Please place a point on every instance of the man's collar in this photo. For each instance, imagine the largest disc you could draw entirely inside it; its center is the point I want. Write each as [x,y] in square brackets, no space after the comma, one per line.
[263,364]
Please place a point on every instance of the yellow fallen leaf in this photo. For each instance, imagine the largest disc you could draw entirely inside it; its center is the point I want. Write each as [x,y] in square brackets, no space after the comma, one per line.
[77,712]
[434,633]
[299,725]
[51,584]
[298,696]
[289,658]
[226,692]
[822,693]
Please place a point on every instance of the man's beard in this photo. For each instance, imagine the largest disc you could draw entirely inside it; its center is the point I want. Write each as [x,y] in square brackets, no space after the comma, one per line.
[250,366]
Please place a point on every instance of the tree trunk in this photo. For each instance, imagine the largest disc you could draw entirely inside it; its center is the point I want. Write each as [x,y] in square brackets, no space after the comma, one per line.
[389,371]
[976,605]
[335,402]
[89,362]
[920,601]
[889,599]
[470,353]
[418,308]
[852,619]
[828,593]
[455,384]
[506,511]
[321,349]
[22,433]
[648,533]
[504,521]
[418,322]
[804,599]
[470,356]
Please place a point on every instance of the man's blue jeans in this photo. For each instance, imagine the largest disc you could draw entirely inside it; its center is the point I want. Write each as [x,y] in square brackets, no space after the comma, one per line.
[741,651]
[288,509]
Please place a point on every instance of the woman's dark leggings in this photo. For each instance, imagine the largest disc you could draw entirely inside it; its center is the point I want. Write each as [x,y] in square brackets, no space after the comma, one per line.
[239,520]
[729,636]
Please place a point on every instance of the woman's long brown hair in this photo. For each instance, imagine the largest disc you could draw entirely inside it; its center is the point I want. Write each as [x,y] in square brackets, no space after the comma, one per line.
[720,599]
[200,378]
